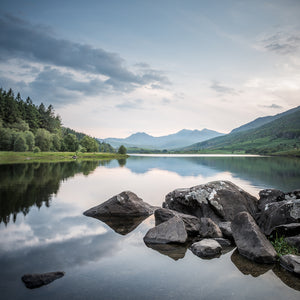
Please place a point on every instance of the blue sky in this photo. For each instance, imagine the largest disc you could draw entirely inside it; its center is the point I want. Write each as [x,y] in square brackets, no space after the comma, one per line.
[112,68]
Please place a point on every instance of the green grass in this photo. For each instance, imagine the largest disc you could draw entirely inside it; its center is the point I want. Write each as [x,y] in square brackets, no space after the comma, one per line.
[282,247]
[8,157]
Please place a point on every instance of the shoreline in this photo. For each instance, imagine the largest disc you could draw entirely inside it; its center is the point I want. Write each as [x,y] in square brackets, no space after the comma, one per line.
[10,157]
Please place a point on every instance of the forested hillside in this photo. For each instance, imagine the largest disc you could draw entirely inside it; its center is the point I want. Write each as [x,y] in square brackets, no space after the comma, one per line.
[25,126]
[281,136]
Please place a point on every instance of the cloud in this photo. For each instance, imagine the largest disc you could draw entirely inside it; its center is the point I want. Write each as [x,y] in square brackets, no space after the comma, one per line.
[222,89]
[20,39]
[132,104]
[282,43]
[275,106]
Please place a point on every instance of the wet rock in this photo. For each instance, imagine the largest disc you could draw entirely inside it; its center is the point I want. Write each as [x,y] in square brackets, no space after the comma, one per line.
[206,248]
[248,267]
[209,229]
[226,229]
[123,204]
[223,242]
[171,231]
[192,223]
[33,281]
[279,213]
[294,241]
[288,278]
[174,251]
[250,241]
[291,229]
[268,196]
[291,263]
[218,200]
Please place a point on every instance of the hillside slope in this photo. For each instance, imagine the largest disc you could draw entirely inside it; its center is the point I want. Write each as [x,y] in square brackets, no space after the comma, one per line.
[277,136]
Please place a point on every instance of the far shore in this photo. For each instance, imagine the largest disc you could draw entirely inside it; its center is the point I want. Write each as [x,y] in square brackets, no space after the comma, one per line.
[10,157]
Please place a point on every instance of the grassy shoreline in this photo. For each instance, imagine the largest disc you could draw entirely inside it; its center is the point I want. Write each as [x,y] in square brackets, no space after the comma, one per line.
[10,157]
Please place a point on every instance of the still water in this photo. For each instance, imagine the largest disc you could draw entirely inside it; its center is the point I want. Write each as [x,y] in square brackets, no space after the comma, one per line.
[42,229]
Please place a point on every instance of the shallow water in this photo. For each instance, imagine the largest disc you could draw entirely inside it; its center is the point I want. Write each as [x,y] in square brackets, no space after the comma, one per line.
[42,229]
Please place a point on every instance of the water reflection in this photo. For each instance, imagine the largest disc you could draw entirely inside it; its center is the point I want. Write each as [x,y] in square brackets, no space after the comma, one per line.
[25,185]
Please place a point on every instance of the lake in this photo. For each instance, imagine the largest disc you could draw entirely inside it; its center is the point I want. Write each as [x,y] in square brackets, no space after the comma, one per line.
[43,229]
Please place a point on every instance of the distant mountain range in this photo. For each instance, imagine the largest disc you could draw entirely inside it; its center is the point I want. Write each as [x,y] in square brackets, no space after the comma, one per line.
[268,135]
[170,142]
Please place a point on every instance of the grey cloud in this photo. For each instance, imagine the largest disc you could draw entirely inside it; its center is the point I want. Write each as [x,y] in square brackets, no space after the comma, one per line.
[282,43]
[132,104]
[222,89]
[20,39]
[275,106]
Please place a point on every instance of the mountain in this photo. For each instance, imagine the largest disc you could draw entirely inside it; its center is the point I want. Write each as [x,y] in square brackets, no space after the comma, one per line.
[172,141]
[263,120]
[280,135]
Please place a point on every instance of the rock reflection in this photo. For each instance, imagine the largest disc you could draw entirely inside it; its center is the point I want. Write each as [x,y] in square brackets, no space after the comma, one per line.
[248,267]
[174,251]
[287,277]
[122,225]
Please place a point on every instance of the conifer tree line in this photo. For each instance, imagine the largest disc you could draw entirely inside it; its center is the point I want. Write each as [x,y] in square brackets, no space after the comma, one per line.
[25,126]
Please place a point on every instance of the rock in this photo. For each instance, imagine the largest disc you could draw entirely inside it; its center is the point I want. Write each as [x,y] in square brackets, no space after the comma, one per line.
[174,251]
[192,223]
[218,200]
[287,277]
[33,281]
[294,241]
[268,196]
[247,266]
[171,231]
[250,241]
[291,229]
[279,213]
[124,204]
[291,263]
[223,242]
[206,248]
[209,229]
[226,229]
[122,225]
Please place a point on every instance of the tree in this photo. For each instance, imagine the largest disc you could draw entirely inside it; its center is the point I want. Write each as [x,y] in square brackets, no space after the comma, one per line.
[56,142]
[89,144]
[71,142]
[122,150]
[20,143]
[29,137]
[43,139]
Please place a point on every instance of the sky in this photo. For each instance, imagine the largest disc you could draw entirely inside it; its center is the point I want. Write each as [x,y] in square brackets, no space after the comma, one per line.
[113,68]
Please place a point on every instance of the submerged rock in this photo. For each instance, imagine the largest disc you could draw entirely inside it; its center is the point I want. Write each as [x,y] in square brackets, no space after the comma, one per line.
[33,281]
[291,263]
[171,231]
[218,200]
[250,241]
[206,248]
[192,223]
[123,204]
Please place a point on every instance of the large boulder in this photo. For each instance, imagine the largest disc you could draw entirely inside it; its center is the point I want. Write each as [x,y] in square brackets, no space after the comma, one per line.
[206,248]
[291,263]
[209,229]
[250,241]
[286,230]
[192,223]
[171,231]
[279,213]
[218,200]
[33,281]
[124,204]
[268,196]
